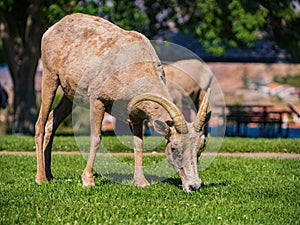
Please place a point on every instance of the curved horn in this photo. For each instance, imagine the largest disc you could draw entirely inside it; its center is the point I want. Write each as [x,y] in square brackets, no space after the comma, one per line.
[174,112]
[202,113]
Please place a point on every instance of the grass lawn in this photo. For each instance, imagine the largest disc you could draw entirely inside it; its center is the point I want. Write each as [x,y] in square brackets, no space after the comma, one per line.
[234,191]
[123,144]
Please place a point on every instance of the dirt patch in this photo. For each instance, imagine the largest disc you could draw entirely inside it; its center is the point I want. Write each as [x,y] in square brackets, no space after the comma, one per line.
[224,154]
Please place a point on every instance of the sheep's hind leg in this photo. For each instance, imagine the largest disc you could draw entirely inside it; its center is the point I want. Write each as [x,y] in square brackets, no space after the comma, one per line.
[96,117]
[49,86]
[139,178]
[56,116]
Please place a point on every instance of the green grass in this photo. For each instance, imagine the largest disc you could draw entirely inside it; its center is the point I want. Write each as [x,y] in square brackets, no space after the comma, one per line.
[234,191]
[260,145]
[69,143]
[124,143]
[290,80]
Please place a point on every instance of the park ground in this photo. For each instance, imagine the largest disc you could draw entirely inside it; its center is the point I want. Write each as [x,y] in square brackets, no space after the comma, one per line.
[248,182]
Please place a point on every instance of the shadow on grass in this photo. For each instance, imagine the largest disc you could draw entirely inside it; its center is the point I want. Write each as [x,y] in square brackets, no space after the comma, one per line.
[128,179]
[177,182]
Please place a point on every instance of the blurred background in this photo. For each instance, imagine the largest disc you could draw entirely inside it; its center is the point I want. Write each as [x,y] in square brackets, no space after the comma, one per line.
[252,47]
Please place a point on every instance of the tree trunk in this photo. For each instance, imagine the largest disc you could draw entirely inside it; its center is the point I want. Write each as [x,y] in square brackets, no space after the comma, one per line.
[25,110]
[21,36]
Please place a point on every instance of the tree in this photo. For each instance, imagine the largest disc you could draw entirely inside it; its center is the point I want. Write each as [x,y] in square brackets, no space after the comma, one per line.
[22,26]
[217,24]
[282,22]
[126,14]
[220,25]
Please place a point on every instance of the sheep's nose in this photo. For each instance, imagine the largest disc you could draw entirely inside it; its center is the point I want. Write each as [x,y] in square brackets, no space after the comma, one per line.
[191,187]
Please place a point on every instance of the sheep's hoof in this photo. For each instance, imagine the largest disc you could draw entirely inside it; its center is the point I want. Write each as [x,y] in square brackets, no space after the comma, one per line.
[87,179]
[40,178]
[49,176]
[141,182]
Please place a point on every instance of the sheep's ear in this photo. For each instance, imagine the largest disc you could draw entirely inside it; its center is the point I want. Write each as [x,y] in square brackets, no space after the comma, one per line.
[161,127]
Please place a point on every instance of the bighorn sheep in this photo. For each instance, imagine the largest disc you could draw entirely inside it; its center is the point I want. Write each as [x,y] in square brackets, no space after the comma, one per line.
[98,64]
[187,80]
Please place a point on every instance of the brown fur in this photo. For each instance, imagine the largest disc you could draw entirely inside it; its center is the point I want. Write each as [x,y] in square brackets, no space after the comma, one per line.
[187,79]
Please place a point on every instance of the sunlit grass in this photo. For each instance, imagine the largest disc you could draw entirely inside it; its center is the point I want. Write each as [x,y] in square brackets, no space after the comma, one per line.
[124,144]
[234,191]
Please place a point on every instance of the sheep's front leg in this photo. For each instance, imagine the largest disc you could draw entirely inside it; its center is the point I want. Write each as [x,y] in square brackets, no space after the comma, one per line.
[139,177]
[96,116]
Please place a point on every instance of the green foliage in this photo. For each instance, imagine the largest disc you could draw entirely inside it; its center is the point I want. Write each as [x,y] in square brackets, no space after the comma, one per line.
[125,14]
[217,24]
[290,80]
[234,191]
[6,5]
[61,8]
[245,21]
[280,26]
[222,24]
